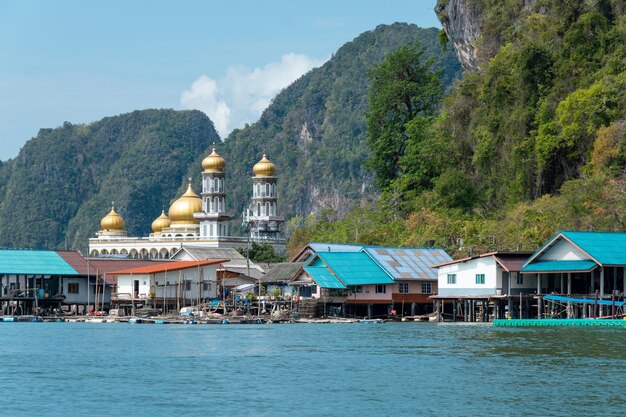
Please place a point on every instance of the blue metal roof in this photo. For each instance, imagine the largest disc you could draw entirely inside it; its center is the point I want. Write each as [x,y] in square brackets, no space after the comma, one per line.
[323,277]
[559,266]
[408,263]
[355,268]
[33,262]
[608,248]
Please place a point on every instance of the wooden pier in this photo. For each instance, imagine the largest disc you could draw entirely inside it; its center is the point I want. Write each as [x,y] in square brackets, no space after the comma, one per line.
[560,323]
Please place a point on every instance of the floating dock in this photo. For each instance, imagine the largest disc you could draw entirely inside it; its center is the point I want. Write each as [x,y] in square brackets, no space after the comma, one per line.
[560,323]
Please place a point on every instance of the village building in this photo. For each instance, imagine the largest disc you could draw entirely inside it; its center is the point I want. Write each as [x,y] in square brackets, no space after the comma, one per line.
[409,269]
[168,286]
[578,274]
[279,276]
[477,287]
[199,220]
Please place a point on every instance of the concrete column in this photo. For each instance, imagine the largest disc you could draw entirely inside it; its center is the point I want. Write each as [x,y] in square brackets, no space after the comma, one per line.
[510,305]
[538,283]
[562,284]
[601,282]
[438,308]
[370,307]
[412,309]
[569,283]
[539,307]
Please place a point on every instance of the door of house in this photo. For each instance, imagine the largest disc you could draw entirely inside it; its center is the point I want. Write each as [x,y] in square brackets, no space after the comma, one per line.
[136,288]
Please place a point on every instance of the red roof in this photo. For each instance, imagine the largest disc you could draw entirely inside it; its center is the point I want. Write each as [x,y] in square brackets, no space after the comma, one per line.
[169,266]
[510,261]
[103,266]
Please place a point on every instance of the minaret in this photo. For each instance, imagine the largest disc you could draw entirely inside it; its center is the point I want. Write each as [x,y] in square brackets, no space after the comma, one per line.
[213,218]
[262,216]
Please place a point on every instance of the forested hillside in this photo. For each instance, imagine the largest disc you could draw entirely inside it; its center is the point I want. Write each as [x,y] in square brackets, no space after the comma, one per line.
[314,130]
[63,181]
[534,135]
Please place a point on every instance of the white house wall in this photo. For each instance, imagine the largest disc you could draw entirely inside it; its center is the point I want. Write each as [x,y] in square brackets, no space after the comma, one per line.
[563,250]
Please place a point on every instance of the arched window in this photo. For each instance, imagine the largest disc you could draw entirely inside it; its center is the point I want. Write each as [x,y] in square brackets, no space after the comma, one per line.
[258,190]
[267,208]
[258,209]
[216,201]
[267,190]
[211,207]
[223,205]
[216,181]
[274,209]
[273,190]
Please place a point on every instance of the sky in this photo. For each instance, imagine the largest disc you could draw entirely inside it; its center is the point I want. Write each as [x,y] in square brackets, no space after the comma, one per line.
[80,61]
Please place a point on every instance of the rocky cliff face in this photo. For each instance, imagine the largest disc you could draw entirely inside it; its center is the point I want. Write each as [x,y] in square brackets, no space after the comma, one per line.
[462,20]
[465,21]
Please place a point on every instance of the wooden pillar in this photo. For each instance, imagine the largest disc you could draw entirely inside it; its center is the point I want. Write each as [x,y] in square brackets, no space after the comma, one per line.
[569,283]
[454,303]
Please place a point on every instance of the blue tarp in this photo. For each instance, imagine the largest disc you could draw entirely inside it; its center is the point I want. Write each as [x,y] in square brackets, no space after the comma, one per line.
[581,300]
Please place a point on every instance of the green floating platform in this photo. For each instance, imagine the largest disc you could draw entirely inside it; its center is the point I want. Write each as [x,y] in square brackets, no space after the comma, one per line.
[560,323]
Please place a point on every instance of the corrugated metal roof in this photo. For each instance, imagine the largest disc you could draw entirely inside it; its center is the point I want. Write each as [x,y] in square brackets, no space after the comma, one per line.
[409,263]
[355,268]
[284,271]
[169,266]
[323,277]
[334,247]
[608,248]
[202,253]
[512,262]
[559,266]
[34,262]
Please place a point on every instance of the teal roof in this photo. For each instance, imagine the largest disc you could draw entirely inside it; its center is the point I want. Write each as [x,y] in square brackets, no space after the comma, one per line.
[559,266]
[33,262]
[323,277]
[608,248]
[355,268]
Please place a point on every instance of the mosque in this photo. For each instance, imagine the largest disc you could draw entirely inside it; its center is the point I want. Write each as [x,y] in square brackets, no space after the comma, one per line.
[199,221]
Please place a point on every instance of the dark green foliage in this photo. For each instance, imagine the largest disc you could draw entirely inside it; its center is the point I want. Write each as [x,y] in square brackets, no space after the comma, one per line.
[64,180]
[261,253]
[314,130]
[404,87]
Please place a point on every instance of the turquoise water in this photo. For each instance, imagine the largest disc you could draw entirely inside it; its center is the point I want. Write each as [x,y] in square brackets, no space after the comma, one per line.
[390,369]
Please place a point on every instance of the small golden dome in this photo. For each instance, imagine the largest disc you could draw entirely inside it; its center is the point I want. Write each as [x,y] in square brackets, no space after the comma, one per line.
[264,168]
[112,222]
[160,222]
[213,163]
[181,211]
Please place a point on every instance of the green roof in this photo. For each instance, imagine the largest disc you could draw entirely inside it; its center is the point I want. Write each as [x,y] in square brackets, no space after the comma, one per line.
[608,248]
[323,277]
[559,266]
[355,268]
[33,262]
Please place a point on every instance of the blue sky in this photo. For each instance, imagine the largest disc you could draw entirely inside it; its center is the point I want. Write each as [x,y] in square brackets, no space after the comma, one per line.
[79,61]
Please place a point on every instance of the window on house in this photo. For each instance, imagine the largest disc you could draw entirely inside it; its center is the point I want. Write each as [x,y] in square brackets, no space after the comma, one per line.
[72,287]
[451,278]
[520,279]
[313,289]
[206,286]
[480,278]
[357,289]
[403,287]
[381,289]
[427,287]
[187,285]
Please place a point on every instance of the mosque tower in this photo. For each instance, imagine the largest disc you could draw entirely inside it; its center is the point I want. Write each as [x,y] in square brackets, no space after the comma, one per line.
[262,216]
[213,217]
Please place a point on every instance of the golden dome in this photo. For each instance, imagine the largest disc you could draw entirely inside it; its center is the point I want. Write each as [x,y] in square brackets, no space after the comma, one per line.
[181,211]
[112,222]
[160,222]
[264,168]
[213,163]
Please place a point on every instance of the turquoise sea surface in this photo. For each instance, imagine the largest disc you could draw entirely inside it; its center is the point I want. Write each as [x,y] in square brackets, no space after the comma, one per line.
[391,369]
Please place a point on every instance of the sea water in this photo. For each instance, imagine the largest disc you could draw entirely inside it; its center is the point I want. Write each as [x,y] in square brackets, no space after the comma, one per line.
[390,369]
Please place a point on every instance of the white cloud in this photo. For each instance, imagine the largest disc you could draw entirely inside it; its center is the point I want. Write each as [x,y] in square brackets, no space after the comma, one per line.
[241,95]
